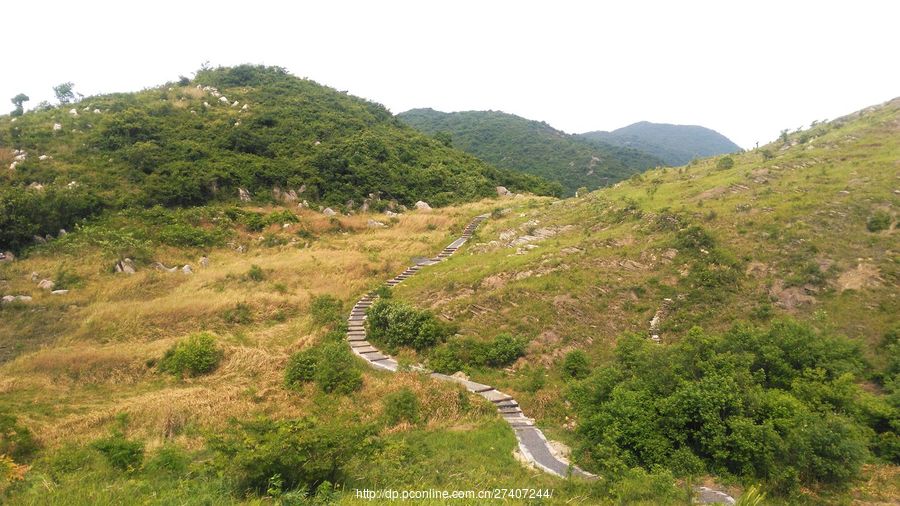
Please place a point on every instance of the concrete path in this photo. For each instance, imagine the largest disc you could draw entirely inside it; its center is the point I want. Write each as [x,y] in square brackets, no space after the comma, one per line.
[532,443]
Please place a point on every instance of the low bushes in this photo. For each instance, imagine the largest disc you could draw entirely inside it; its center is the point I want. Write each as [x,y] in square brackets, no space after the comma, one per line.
[401,406]
[396,324]
[331,366]
[196,355]
[326,310]
[501,351]
[121,453]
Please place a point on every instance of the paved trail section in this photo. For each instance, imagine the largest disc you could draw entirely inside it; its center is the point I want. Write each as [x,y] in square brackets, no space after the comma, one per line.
[532,443]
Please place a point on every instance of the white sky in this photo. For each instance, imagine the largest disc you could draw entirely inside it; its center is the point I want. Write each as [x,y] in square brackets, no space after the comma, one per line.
[747,69]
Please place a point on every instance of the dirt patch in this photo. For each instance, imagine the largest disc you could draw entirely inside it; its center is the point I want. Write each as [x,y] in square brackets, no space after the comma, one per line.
[790,298]
[757,270]
[712,193]
[863,276]
[493,282]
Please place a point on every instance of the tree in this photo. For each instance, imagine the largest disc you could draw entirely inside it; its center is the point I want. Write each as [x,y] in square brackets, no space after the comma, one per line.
[18,100]
[783,136]
[64,92]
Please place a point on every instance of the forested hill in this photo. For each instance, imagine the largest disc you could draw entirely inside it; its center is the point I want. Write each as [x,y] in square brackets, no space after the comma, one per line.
[674,144]
[192,142]
[533,147]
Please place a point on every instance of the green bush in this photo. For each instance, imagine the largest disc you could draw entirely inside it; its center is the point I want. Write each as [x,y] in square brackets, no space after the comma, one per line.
[121,453]
[169,459]
[725,163]
[255,273]
[575,364]
[401,406]
[326,310]
[301,368]
[303,453]
[879,221]
[337,371]
[16,440]
[396,324]
[196,355]
[502,351]
[254,222]
[240,314]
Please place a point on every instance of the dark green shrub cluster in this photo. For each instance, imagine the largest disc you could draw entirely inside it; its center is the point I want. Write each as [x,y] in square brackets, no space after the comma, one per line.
[303,454]
[575,365]
[255,273]
[240,314]
[121,453]
[396,324]
[326,310]
[26,213]
[169,459]
[879,221]
[198,354]
[725,163]
[458,354]
[401,406]
[778,405]
[330,365]
[16,440]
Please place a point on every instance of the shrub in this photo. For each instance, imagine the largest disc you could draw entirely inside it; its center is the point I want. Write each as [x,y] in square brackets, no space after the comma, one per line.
[879,221]
[121,453]
[239,314]
[196,355]
[575,364]
[326,310]
[336,371]
[725,163]
[303,453]
[503,350]
[445,358]
[401,406]
[396,324]
[169,459]
[255,273]
[16,440]
[254,222]
[301,368]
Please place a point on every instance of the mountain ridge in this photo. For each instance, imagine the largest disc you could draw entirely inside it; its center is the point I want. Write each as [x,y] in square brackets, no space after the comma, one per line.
[675,144]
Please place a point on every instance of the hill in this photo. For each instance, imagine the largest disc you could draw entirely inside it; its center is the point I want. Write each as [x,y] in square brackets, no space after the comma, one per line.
[533,147]
[673,144]
[198,141]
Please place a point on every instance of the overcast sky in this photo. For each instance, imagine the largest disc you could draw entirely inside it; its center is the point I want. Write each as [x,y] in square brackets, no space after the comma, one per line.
[747,69]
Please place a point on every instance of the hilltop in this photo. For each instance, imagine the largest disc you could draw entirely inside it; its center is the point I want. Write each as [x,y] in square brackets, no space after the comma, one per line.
[250,131]
[674,144]
[532,147]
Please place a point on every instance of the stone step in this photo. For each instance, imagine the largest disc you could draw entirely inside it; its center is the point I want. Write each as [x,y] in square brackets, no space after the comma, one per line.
[366,349]
[507,404]
[360,344]
[360,332]
[356,338]
[510,411]
[387,364]
[375,357]
[496,396]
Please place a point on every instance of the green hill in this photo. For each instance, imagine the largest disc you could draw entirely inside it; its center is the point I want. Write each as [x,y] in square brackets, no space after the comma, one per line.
[673,144]
[532,147]
[199,141]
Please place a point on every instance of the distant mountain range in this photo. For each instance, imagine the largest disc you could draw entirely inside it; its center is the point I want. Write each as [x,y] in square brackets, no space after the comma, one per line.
[533,147]
[673,144]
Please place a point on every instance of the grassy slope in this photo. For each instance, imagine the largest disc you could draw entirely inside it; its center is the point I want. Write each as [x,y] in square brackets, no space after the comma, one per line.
[796,219]
[533,147]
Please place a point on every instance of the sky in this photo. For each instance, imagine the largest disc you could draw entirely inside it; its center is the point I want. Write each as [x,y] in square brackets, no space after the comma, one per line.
[747,69]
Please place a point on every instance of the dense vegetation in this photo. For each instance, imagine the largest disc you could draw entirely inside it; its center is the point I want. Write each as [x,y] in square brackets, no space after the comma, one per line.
[191,143]
[780,405]
[673,144]
[532,147]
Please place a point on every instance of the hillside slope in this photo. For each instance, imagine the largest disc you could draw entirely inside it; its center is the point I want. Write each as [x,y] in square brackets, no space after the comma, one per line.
[533,147]
[253,128]
[673,144]
[791,252]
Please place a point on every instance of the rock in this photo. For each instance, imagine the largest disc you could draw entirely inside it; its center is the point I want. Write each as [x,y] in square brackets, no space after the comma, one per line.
[244,195]
[62,232]
[706,495]
[7,256]
[187,270]
[34,277]
[96,111]
[460,375]
[57,127]
[375,224]
[7,299]
[73,112]
[245,107]
[328,212]
[23,298]
[423,206]
[223,100]
[59,292]
[391,214]
[235,104]
[36,186]
[161,267]
[125,266]
[44,157]
[40,240]
[519,196]
[304,204]
[204,262]
[205,104]
[46,284]
[670,253]
[503,192]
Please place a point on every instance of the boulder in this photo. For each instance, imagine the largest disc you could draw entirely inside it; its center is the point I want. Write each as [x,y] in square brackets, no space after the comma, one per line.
[73,112]
[187,269]
[57,127]
[126,266]
[204,261]
[375,224]
[46,284]
[7,257]
[7,299]
[245,107]
[40,240]
[223,100]
[59,292]
[161,267]
[62,232]
[23,298]
[44,157]
[503,192]
[235,104]
[96,111]
[35,277]
[423,206]
[304,204]
[391,214]
[244,195]
[328,212]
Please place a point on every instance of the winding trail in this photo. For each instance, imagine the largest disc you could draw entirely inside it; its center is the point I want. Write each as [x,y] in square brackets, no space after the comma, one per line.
[533,446]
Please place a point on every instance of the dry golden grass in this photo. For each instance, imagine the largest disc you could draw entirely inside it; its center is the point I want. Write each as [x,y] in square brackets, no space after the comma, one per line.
[94,348]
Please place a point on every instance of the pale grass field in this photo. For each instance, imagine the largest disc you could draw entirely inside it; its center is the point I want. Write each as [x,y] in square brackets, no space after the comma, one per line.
[95,362]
